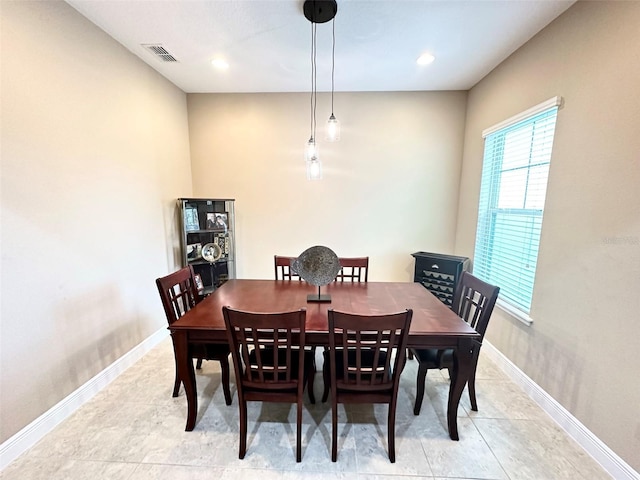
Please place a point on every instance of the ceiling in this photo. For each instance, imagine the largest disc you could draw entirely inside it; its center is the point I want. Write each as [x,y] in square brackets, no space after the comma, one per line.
[267,43]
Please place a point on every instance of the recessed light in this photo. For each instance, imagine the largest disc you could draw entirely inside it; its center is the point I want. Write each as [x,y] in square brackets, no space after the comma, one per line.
[425,59]
[220,64]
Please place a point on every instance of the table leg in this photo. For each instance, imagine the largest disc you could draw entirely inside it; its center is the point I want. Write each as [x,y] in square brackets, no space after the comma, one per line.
[459,376]
[187,376]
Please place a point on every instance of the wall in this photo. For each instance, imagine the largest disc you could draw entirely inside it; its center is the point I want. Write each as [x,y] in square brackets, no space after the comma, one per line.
[389,188]
[94,152]
[582,347]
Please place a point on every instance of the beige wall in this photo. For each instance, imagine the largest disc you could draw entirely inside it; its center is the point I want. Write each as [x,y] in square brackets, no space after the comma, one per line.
[94,152]
[389,188]
[583,345]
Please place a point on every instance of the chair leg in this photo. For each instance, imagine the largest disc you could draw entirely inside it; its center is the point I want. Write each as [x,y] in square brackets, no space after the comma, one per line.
[243,428]
[422,376]
[299,432]
[224,366]
[176,382]
[334,429]
[311,375]
[326,377]
[391,431]
[199,364]
[471,384]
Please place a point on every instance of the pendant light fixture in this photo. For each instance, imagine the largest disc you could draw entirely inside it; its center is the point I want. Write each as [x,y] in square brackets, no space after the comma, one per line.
[316,11]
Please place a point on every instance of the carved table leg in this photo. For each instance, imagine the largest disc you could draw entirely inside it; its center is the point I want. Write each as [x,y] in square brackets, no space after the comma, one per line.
[188,377]
[460,374]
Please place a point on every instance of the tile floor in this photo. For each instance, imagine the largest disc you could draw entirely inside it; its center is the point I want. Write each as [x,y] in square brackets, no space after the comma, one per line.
[134,430]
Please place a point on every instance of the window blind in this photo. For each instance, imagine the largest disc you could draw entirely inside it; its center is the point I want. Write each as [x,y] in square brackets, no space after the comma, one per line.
[512,196]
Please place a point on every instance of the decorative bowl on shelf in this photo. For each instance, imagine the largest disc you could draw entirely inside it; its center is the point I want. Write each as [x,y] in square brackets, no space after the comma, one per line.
[211,252]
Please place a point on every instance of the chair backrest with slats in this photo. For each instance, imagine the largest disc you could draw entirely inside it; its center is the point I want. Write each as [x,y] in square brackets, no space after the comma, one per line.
[366,352]
[178,293]
[474,300]
[353,269]
[283,270]
[269,346]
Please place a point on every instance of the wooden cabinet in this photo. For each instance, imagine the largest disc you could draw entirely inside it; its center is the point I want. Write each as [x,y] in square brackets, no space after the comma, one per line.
[439,273]
[208,233]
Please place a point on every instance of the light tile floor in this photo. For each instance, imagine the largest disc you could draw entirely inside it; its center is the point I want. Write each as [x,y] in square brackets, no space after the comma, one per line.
[134,430]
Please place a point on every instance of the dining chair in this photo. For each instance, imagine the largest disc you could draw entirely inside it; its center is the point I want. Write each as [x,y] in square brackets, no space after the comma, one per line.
[283,270]
[365,358]
[179,294]
[353,269]
[473,301]
[262,374]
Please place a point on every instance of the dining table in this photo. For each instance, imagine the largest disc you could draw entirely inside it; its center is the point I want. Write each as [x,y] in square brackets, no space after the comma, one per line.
[434,325]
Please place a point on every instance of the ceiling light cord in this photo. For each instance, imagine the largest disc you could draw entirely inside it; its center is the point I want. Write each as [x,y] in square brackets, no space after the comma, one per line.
[311,99]
[333,125]
[315,81]
[333,59]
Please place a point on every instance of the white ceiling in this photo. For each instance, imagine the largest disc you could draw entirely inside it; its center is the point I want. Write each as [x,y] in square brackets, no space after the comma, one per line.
[267,43]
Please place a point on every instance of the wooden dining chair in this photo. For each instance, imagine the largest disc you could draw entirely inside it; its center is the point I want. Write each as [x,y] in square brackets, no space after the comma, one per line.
[283,270]
[179,294]
[365,359]
[353,269]
[473,301]
[270,362]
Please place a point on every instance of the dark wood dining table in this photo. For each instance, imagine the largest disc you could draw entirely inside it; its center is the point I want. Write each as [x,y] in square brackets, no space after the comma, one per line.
[433,324]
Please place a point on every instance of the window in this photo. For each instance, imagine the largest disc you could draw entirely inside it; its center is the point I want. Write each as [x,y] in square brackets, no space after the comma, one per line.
[517,153]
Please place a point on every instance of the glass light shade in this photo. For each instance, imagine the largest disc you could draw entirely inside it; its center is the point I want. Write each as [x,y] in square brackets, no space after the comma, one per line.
[314,169]
[311,150]
[333,129]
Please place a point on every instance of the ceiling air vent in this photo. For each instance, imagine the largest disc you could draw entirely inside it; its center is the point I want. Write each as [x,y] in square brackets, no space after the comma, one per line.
[160,52]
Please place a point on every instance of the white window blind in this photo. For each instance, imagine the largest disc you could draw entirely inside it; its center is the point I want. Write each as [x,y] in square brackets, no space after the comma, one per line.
[514,182]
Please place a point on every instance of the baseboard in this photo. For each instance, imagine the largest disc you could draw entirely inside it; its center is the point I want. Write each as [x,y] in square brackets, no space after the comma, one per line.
[32,433]
[602,454]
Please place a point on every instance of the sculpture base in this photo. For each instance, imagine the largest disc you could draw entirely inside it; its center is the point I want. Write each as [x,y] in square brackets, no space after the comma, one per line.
[313,298]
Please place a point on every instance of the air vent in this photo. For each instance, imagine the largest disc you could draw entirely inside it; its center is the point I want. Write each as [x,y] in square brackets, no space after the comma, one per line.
[160,52]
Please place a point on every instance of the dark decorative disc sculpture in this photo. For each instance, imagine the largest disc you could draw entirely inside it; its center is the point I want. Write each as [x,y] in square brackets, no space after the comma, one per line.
[318,266]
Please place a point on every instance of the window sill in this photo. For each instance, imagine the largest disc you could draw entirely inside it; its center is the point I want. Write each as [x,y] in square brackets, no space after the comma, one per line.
[517,314]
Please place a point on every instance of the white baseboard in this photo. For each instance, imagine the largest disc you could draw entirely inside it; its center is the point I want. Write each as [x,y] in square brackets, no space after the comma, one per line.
[602,454]
[32,433]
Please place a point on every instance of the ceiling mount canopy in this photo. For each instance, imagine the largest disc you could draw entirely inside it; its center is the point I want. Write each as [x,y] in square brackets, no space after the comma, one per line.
[320,11]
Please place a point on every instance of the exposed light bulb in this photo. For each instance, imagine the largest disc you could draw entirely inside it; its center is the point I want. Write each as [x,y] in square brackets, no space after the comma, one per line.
[311,151]
[314,169]
[333,129]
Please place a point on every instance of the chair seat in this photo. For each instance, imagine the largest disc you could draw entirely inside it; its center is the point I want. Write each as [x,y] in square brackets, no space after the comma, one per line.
[268,359]
[367,361]
[209,351]
[434,358]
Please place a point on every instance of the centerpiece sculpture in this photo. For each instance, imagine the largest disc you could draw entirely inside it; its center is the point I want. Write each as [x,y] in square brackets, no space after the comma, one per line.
[318,266]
